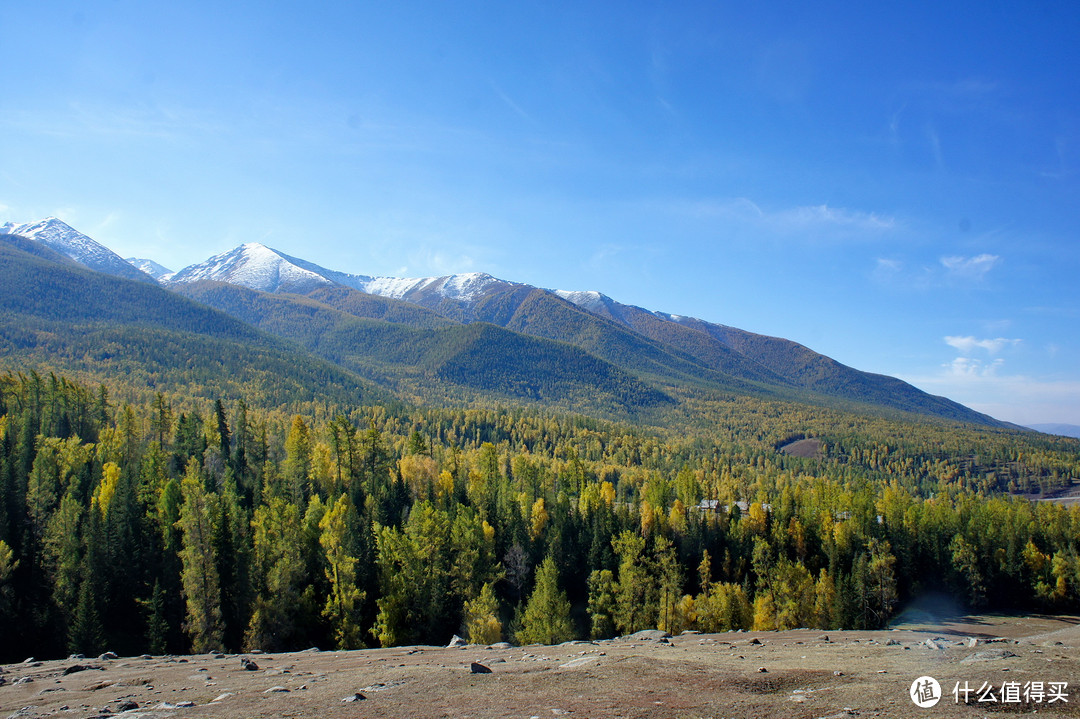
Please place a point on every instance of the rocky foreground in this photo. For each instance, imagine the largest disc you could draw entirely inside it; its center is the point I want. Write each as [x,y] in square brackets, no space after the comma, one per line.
[1026,664]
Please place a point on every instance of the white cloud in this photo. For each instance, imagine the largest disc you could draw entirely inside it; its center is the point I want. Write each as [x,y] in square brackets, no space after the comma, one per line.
[967,345]
[817,215]
[798,219]
[966,367]
[969,267]
[1013,398]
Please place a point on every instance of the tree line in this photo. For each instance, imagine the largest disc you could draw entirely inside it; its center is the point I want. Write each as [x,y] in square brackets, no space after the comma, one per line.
[163,524]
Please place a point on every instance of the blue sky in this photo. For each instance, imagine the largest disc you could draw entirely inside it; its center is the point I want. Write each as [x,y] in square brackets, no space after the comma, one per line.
[895,187]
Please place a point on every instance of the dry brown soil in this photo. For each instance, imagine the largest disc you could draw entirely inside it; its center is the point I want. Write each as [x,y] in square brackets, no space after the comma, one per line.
[800,673]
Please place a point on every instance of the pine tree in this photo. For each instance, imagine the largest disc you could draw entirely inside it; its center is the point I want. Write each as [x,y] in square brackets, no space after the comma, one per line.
[280,572]
[201,583]
[601,605]
[86,634]
[482,625]
[297,466]
[547,614]
[343,604]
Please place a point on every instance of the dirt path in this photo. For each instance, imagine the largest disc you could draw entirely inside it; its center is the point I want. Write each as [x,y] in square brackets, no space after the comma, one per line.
[801,673]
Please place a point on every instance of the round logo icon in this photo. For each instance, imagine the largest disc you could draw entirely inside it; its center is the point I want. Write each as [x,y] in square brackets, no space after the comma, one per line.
[925,692]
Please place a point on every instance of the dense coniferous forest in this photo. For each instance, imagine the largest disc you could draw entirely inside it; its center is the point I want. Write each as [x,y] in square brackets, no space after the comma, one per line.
[141,521]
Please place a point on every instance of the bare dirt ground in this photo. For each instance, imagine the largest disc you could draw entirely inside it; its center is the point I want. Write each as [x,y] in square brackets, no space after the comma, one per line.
[800,673]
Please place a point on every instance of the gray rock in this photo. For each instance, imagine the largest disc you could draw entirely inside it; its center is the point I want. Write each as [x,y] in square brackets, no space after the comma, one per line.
[501,645]
[477,668]
[586,661]
[248,665]
[108,656]
[654,635]
[357,697]
[991,655]
[456,643]
[274,690]
[755,640]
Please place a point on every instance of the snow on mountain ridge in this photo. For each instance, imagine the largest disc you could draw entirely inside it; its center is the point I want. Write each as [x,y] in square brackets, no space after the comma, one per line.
[586,299]
[255,266]
[259,267]
[63,238]
[154,269]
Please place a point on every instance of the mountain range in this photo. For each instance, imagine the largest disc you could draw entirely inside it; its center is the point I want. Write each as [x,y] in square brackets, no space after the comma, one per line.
[470,336]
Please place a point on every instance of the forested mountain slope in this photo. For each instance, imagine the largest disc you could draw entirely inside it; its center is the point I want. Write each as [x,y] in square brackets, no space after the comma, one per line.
[668,350]
[429,358]
[54,313]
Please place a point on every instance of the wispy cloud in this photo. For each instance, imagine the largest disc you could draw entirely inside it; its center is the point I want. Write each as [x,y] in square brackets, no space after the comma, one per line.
[967,345]
[510,103]
[801,219]
[1015,398]
[974,268]
[967,367]
[141,120]
[821,215]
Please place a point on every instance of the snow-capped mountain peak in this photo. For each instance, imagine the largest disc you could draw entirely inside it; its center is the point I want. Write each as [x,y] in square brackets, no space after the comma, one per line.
[155,270]
[61,237]
[465,287]
[257,267]
[586,299]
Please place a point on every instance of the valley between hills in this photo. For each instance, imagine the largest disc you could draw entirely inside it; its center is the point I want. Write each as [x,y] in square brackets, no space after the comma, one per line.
[255,456]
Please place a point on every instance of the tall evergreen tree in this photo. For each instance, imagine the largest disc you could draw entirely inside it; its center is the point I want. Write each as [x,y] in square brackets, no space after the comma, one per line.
[201,583]
[547,614]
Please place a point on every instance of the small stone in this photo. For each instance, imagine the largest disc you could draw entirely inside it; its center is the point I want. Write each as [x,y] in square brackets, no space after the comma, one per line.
[248,665]
[477,668]
[145,656]
[823,638]
[755,640]
[185,705]
[24,680]
[28,660]
[108,656]
[273,690]
[357,697]
[456,642]
[762,670]
[127,706]
[222,697]
[838,673]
